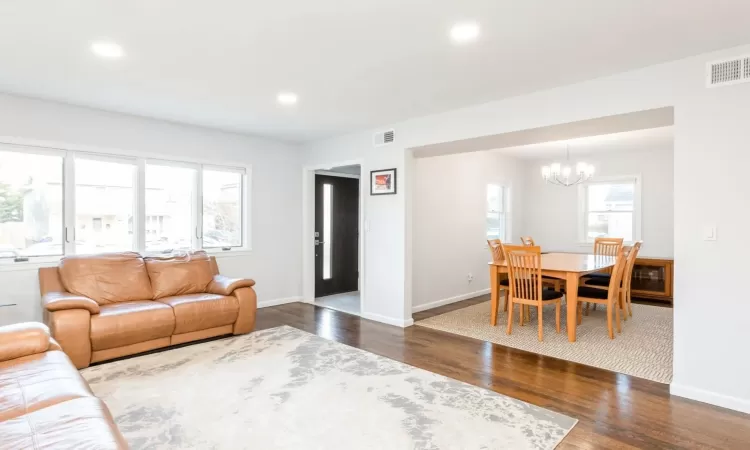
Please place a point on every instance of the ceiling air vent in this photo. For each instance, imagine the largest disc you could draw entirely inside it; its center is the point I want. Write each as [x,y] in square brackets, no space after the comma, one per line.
[729,71]
[383,138]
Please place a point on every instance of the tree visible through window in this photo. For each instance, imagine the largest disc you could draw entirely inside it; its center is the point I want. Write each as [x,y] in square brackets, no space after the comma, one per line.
[113,203]
[31,205]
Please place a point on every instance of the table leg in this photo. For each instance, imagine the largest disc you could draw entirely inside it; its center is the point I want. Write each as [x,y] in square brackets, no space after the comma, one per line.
[571,293]
[494,294]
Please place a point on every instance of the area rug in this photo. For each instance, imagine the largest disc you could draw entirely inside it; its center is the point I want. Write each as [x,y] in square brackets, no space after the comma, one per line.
[643,349]
[284,388]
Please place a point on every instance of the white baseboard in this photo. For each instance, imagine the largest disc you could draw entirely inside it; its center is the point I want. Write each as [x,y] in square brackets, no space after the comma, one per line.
[278,301]
[389,320]
[712,398]
[449,300]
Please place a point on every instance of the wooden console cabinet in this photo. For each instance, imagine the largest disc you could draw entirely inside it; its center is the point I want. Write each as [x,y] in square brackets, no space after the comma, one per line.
[653,279]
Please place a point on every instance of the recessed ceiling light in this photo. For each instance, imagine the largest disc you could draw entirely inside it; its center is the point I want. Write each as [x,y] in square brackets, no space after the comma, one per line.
[107,49]
[465,32]
[287,98]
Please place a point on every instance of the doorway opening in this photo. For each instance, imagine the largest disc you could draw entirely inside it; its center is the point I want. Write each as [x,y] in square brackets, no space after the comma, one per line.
[336,238]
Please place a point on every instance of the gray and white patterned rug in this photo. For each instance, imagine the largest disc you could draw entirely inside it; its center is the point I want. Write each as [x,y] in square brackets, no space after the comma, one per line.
[284,388]
[643,349]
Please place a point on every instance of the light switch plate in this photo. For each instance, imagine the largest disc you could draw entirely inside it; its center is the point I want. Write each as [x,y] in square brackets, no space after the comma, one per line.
[709,233]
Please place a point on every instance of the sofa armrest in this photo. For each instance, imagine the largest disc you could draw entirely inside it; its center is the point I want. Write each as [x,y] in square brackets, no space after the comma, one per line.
[222,285]
[58,301]
[23,339]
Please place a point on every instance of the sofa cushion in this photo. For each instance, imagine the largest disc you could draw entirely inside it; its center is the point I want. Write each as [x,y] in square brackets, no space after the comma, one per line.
[106,278]
[82,423]
[196,312]
[126,323]
[188,273]
[34,382]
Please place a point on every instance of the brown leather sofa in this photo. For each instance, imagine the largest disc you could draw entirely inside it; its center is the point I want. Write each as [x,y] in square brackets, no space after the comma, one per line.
[44,401]
[107,306]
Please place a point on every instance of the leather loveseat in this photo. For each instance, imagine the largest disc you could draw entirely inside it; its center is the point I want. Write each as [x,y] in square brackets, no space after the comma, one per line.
[44,401]
[106,306]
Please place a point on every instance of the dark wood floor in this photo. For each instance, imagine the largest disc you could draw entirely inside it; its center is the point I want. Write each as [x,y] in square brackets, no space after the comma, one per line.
[615,411]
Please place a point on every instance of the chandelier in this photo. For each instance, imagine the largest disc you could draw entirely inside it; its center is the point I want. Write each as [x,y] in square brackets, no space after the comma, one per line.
[560,174]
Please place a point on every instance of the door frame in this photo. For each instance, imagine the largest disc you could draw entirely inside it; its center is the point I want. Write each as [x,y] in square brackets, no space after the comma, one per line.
[308,229]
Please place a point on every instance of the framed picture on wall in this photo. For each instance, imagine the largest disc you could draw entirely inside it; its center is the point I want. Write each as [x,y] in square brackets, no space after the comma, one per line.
[383,182]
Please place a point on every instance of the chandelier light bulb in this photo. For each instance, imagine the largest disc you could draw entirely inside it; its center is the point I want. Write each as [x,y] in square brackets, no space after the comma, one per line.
[567,174]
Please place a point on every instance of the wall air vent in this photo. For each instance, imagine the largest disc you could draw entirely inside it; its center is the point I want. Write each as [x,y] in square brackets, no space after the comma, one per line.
[728,71]
[383,138]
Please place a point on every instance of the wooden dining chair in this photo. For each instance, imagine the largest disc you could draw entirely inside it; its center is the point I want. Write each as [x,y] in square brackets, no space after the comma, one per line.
[625,297]
[498,255]
[605,246]
[514,248]
[609,297]
[527,241]
[525,268]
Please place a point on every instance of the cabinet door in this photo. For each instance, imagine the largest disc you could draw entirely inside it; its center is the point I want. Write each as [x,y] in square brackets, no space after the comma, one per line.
[652,279]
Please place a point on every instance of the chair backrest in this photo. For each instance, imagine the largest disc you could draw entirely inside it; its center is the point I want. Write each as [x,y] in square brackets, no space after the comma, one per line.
[607,246]
[525,270]
[617,274]
[528,241]
[496,248]
[630,263]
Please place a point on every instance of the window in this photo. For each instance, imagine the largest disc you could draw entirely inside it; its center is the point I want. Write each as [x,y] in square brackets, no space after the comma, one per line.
[55,202]
[104,195]
[222,208]
[497,214]
[327,229]
[31,205]
[170,207]
[610,209]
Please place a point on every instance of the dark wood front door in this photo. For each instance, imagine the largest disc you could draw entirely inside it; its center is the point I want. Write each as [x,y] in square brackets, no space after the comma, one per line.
[336,235]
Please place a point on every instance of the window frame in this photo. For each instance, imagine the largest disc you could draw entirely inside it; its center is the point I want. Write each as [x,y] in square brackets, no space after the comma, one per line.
[140,159]
[506,209]
[583,210]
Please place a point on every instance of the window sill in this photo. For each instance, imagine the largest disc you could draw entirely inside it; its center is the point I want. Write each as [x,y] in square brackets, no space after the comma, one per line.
[229,253]
[33,264]
[51,261]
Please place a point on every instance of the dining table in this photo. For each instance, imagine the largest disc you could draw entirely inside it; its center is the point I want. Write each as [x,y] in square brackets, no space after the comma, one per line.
[569,267]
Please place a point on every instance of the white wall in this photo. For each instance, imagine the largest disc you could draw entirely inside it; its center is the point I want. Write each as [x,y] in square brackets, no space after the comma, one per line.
[711,136]
[275,257]
[449,228]
[551,212]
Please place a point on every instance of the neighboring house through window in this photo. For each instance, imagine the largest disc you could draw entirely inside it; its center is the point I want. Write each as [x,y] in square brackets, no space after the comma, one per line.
[610,207]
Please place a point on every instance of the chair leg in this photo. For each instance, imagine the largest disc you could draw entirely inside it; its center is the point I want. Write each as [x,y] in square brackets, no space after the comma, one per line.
[580,312]
[617,315]
[506,297]
[594,306]
[521,307]
[510,315]
[493,310]
[586,309]
[609,323]
[558,306]
[541,323]
[527,313]
[630,304]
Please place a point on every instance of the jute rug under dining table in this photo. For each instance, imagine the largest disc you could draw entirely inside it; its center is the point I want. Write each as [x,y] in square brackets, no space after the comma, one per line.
[643,349]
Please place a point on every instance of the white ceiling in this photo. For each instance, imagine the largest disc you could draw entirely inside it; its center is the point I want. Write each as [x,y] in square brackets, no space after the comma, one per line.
[641,139]
[355,64]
